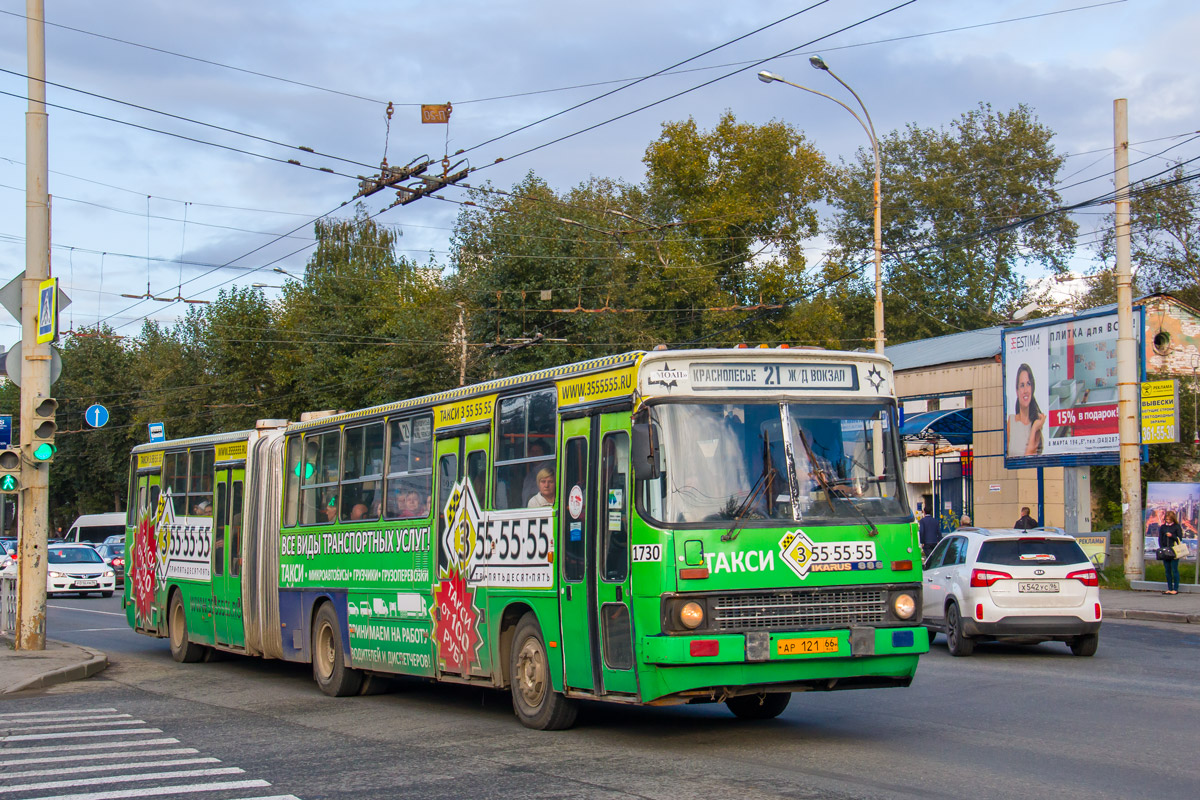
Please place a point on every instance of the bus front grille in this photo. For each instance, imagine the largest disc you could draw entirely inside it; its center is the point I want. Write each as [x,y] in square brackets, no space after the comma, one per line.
[826,608]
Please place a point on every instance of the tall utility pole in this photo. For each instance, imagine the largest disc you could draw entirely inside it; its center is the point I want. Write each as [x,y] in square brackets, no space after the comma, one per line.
[1128,427]
[35,367]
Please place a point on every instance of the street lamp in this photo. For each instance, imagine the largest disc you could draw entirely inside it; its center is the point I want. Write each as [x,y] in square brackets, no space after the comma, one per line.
[819,63]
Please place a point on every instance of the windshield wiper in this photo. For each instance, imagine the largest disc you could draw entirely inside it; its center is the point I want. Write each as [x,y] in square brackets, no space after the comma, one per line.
[765,479]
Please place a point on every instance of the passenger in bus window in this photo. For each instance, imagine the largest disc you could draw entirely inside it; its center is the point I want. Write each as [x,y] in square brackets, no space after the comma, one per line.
[529,489]
[329,510]
[359,511]
[545,483]
[410,504]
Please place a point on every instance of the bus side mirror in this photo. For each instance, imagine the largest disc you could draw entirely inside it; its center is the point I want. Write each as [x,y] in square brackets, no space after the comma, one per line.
[645,451]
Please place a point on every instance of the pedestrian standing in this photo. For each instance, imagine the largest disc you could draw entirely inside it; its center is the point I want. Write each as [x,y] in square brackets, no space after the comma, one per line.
[930,533]
[1169,535]
[1026,522]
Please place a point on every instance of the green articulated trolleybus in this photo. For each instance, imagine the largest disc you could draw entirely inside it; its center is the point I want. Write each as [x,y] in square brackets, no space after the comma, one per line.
[655,527]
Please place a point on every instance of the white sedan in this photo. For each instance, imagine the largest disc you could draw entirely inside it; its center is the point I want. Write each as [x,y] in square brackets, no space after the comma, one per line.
[1019,586]
[77,568]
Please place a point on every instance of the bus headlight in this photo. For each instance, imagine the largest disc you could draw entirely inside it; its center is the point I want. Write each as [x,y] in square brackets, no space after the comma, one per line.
[904,606]
[691,615]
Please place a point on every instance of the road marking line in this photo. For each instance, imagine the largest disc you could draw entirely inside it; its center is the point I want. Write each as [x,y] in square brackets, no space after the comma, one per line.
[88,610]
[93,630]
[272,797]
[152,791]
[177,751]
[148,776]
[63,725]
[88,718]
[58,748]
[177,762]
[60,711]
[31,736]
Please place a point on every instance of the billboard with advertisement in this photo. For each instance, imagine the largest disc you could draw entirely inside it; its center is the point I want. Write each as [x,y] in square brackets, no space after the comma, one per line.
[1180,499]
[1060,391]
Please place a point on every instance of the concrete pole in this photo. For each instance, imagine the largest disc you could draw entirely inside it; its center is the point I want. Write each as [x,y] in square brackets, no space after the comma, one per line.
[35,367]
[1129,429]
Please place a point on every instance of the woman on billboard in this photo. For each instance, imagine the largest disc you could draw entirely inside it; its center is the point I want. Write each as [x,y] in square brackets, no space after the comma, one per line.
[1025,424]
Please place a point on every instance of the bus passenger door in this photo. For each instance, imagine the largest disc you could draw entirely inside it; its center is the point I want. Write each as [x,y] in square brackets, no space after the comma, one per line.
[460,610]
[612,581]
[227,558]
[576,562]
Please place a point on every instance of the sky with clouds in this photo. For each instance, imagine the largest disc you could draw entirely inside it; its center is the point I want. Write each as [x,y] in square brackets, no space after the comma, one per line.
[144,193]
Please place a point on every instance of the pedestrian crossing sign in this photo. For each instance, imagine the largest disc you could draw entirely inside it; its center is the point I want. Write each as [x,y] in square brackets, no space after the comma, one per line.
[47,316]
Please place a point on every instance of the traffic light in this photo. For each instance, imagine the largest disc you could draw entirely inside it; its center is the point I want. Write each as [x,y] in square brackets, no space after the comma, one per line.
[10,471]
[44,427]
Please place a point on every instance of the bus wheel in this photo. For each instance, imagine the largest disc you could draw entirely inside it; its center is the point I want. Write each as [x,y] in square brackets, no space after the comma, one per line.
[759,706]
[182,649]
[329,662]
[536,703]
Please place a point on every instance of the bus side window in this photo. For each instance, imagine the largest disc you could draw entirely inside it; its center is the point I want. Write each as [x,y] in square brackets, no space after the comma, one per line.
[319,485]
[200,483]
[477,473]
[291,486]
[614,516]
[574,542]
[175,482]
[235,530]
[447,477]
[524,446]
[409,468]
[362,472]
[218,551]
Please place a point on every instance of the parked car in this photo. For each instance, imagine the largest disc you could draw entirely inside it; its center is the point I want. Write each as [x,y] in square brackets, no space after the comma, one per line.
[114,555]
[96,527]
[77,568]
[115,539]
[8,558]
[1010,585]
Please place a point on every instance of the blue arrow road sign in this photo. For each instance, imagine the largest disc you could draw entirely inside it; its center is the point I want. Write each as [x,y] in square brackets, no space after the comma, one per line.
[158,432]
[96,415]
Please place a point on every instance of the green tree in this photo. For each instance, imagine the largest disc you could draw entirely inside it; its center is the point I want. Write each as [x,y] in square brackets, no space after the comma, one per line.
[1164,239]
[363,326]
[965,214]
[716,226]
[90,470]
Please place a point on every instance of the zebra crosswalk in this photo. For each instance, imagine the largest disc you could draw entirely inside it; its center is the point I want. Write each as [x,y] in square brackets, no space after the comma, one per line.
[104,754]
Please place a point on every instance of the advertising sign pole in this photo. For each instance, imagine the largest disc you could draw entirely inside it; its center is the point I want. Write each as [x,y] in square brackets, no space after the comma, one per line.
[1129,428]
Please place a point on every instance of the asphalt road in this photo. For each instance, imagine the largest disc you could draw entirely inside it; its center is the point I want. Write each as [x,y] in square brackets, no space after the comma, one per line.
[1007,722]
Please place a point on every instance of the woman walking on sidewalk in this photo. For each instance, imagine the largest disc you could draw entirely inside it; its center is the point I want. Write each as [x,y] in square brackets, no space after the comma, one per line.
[1169,535]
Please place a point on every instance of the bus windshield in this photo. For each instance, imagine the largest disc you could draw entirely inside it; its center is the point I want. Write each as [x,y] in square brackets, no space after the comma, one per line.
[808,462]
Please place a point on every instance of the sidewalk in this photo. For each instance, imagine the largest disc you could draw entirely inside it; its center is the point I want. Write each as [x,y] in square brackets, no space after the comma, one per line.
[1151,605]
[36,669]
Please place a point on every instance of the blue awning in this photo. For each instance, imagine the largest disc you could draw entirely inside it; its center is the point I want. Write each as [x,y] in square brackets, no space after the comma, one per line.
[954,425]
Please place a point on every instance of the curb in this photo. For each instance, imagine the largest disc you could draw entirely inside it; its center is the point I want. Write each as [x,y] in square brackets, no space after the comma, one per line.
[1153,616]
[96,664]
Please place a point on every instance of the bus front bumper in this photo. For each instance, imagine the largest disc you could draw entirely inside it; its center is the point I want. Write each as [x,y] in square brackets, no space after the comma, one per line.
[782,647]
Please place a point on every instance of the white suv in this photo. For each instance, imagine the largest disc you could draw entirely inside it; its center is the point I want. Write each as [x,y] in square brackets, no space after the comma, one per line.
[1018,586]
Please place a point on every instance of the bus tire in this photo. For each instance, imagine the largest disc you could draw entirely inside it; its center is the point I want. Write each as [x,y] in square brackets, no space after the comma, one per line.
[535,702]
[759,706]
[183,649]
[328,660]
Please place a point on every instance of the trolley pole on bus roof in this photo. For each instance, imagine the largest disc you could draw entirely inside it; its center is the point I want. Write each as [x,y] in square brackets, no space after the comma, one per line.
[1128,426]
[35,363]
